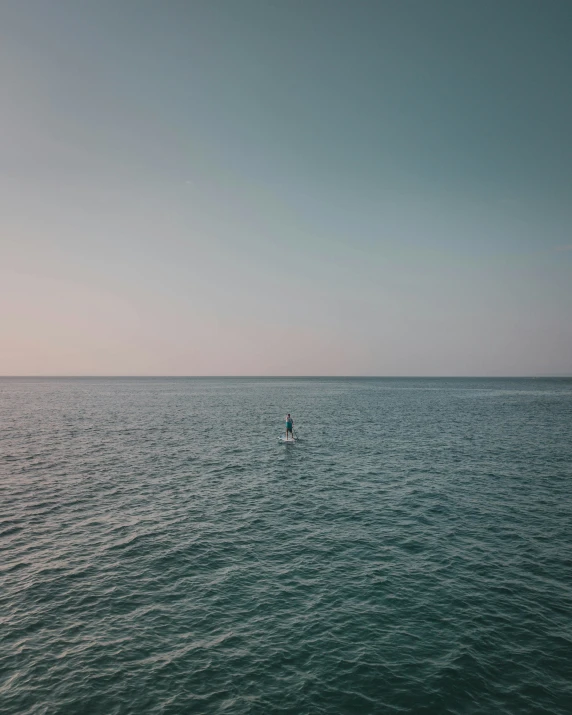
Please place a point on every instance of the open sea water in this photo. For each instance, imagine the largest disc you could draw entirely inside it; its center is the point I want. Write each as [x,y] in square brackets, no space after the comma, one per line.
[162,552]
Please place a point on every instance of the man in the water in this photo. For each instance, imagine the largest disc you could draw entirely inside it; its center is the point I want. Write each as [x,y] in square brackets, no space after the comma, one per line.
[289,425]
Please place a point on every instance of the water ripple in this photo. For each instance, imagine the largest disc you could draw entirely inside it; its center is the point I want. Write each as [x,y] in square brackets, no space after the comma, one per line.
[410,554]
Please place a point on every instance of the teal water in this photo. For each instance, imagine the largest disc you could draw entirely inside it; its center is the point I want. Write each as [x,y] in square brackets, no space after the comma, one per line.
[162,552]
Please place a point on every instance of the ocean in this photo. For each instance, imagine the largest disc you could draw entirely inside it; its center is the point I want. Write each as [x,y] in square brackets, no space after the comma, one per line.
[163,553]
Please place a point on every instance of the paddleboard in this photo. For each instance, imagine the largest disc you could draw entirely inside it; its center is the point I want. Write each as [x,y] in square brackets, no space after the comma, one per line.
[290,440]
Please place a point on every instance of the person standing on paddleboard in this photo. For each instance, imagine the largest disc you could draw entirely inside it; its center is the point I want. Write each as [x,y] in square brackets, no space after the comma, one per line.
[289,426]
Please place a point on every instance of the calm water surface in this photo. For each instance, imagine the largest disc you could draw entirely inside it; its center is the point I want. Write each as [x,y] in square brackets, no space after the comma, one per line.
[162,552]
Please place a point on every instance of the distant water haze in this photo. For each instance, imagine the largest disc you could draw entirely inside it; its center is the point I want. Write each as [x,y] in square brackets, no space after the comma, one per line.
[318,188]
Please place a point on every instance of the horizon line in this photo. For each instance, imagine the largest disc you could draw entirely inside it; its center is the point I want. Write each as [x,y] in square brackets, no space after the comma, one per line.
[293,377]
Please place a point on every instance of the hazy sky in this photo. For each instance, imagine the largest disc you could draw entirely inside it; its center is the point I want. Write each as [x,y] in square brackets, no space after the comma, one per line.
[269,187]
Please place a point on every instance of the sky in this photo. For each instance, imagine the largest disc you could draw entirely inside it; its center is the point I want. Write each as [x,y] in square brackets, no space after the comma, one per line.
[285,187]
